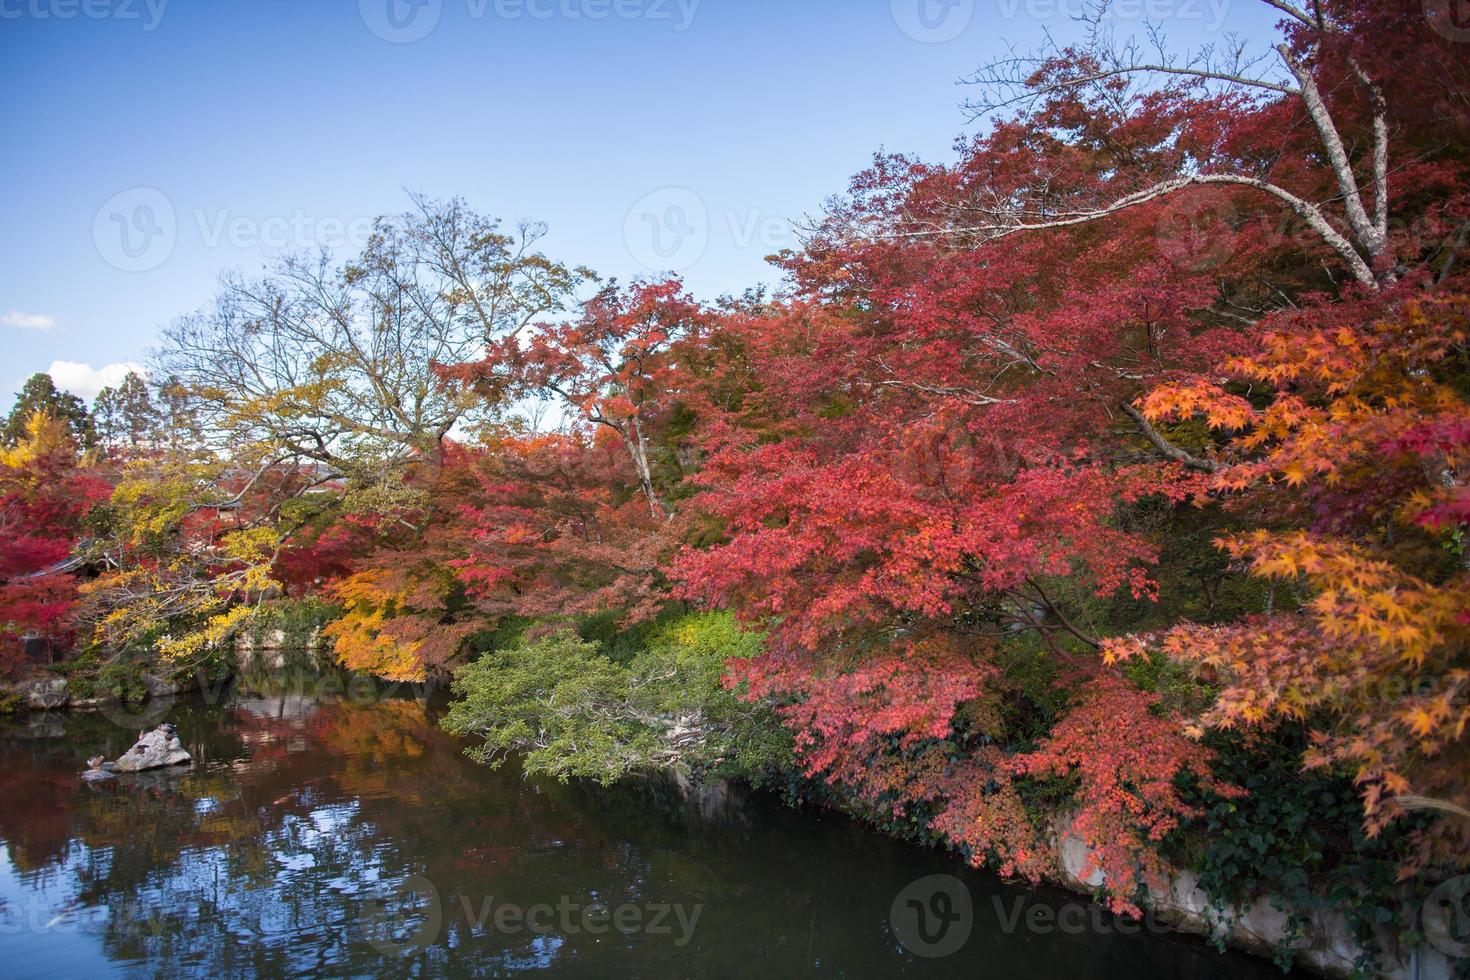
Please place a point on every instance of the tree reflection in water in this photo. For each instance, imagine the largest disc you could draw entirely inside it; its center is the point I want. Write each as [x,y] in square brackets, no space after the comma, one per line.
[272,855]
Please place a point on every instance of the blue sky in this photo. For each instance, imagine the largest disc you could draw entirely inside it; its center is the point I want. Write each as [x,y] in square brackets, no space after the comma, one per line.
[150,145]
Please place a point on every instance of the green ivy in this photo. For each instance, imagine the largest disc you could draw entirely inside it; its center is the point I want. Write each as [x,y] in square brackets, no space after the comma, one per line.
[1296,836]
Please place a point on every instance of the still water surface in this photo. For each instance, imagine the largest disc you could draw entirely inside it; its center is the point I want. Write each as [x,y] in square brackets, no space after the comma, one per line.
[350,837]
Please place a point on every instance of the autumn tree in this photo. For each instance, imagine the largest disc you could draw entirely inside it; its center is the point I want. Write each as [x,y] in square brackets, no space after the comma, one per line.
[406,614]
[616,367]
[944,461]
[558,527]
[1327,79]
[334,364]
[40,394]
[45,495]
[310,394]
[1354,441]
[191,548]
[582,521]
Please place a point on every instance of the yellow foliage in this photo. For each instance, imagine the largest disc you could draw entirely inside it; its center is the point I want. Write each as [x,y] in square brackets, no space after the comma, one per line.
[44,435]
[369,600]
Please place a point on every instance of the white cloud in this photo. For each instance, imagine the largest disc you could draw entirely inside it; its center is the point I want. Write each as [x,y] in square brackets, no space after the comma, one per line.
[27,321]
[85,380]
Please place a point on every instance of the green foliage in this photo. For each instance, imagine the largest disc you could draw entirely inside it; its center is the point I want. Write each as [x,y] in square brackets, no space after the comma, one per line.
[1295,836]
[82,673]
[559,700]
[747,741]
[121,679]
[124,417]
[89,676]
[299,620]
[1179,690]
[618,642]
[1196,580]
[1033,699]
[96,671]
[575,712]
[40,394]
[506,631]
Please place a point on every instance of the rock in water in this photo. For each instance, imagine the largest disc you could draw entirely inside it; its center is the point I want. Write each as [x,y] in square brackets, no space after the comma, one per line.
[154,750]
[157,686]
[44,694]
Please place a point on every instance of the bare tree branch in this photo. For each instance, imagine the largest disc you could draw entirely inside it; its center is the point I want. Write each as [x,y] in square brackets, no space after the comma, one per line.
[1166,447]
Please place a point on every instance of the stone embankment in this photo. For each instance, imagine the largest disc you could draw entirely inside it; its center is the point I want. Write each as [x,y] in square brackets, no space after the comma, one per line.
[1325,945]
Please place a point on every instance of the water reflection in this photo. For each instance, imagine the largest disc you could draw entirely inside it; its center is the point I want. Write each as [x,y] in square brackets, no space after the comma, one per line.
[347,836]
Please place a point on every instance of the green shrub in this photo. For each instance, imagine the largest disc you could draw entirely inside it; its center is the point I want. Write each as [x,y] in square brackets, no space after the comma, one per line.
[575,712]
[299,620]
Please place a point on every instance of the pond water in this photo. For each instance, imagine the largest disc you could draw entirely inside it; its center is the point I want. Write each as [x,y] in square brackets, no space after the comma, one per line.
[328,835]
